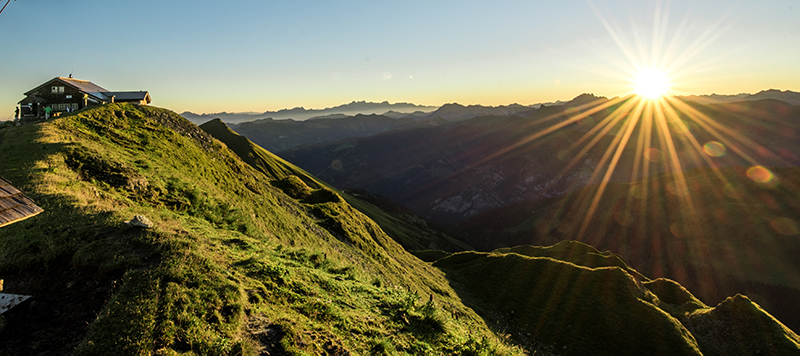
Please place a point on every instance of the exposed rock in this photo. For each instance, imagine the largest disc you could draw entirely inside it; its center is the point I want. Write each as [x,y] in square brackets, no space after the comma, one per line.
[140,221]
[137,182]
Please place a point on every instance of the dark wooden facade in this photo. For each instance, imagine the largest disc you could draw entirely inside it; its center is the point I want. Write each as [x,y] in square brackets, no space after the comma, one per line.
[69,94]
[56,94]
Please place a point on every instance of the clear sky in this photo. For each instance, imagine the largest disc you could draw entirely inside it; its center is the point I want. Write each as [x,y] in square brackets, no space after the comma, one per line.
[212,56]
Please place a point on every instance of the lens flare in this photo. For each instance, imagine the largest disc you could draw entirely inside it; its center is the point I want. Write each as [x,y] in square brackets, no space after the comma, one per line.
[760,174]
[653,155]
[714,149]
[784,226]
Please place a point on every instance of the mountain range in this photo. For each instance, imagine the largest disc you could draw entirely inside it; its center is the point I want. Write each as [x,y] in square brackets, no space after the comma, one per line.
[453,111]
[285,129]
[279,135]
[249,254]
[449,172]
[787,96]
[300,113]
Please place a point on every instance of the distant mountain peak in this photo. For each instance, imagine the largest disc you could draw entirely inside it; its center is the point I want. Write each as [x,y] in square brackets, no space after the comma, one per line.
[585,98]
[775,91]
[452,105]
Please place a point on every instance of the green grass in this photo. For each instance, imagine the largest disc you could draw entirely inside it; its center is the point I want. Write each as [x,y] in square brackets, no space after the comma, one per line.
[749,330]
[574,252]
[556,306]
[566,307]
[233,264]
[430,255]
[403,226]
[673,297]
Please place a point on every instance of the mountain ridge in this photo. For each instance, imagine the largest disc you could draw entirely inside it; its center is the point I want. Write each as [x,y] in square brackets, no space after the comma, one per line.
[787,96]
[453,170]
[404,109]
[301,113]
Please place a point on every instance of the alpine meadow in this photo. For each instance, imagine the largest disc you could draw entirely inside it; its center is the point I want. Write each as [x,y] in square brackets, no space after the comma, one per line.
[603,177]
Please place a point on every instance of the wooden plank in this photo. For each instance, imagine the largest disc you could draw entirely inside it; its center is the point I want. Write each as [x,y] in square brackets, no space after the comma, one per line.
[15,206]
[8,191]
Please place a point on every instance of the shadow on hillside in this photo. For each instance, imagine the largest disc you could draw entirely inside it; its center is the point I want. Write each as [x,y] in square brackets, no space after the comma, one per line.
[550,305]
[67,258]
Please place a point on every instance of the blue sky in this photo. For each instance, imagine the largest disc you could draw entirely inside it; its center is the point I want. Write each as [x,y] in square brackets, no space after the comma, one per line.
[212,56]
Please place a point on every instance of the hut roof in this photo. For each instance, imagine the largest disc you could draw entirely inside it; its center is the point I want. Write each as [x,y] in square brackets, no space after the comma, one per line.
[82,85]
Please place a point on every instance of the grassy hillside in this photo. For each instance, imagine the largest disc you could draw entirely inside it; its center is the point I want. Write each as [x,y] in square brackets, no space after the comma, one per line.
[233,265]
[271,165]
[405,227]
[558,307]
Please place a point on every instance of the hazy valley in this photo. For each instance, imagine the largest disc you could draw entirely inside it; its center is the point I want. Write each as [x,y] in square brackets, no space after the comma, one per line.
[251,254]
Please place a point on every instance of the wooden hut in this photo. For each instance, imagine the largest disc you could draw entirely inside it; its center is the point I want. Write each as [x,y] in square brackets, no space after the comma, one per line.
[70,94]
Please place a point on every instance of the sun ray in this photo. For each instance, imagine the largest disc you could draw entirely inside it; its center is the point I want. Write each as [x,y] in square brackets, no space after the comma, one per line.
[682,189]
[553,128]
[590,107]
[605,125]
[659,28]
[692,139]
[715,128]
[642,144]
[629,54]
[621,143]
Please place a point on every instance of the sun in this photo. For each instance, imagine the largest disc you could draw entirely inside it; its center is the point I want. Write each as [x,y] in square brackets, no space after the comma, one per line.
[651,84]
